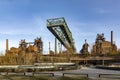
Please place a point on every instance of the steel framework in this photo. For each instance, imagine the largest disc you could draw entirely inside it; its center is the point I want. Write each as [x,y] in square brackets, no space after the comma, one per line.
[60,30]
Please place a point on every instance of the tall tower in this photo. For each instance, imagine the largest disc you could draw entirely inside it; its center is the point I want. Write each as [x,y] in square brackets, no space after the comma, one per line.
[84,49]
[39,44]
[111,37]
[49,47]
[55,45]
[7,46]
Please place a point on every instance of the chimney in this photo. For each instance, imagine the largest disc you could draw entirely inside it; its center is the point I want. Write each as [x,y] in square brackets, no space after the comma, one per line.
[55,45]
[49,47]
[7,48]
[85,41]
[111,37]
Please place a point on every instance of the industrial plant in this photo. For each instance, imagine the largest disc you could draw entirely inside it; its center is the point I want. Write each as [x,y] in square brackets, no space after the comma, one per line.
[104,47]
[29,53]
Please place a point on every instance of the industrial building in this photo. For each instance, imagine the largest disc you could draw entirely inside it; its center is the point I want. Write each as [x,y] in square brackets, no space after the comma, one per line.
[84,49]
[32,52]
[102,47]
[27,47]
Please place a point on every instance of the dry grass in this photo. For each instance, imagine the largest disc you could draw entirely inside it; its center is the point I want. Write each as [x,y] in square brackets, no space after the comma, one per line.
[39,78]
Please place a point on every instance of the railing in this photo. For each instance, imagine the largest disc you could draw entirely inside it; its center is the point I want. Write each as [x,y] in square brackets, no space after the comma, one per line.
[114,76]
[86,75]
[41,73]
[109,76]
[13,73]
[27,73]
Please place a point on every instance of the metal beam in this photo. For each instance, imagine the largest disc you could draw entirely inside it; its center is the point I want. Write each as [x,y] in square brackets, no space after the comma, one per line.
[60,30]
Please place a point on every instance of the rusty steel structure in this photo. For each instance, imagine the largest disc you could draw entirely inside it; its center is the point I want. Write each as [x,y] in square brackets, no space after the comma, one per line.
[103,47]
[36,47]
[60,30]
[84,49]
[32,52]
[23,45]
[39,44]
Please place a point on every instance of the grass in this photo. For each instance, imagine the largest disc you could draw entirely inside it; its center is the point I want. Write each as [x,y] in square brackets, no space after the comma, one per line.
[25,78]
[41,78]
[70,78]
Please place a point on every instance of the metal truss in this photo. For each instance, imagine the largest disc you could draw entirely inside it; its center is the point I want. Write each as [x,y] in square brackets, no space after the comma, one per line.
[60,30]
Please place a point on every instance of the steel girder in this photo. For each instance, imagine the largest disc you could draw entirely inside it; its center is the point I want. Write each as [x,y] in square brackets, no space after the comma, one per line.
[60,30]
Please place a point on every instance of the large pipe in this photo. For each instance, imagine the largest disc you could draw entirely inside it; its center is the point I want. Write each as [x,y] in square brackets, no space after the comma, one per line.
[7,46]
[111,37]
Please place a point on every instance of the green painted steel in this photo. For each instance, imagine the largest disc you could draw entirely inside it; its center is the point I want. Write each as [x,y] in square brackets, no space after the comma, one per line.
[60,30]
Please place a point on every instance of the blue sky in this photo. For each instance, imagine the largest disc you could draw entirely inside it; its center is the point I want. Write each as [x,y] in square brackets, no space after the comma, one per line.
[26,19]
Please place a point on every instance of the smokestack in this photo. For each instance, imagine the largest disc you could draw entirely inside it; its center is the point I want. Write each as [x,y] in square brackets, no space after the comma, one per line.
[55,45]
[111,37]
[49,47]
[7,48]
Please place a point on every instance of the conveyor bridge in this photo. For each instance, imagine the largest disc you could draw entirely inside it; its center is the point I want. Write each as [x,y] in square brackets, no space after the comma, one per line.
[60,30]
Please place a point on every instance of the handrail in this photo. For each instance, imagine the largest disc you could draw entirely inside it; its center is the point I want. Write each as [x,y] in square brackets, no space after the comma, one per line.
[108,75]
[52,74]
[75,74]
